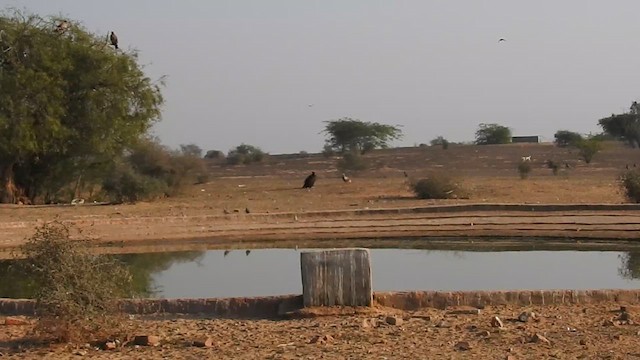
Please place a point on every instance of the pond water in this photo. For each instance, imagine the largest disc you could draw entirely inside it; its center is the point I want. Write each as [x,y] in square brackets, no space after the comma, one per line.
[267,272]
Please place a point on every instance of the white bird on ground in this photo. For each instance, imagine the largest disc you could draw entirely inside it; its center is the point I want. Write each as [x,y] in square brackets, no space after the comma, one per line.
[345,178]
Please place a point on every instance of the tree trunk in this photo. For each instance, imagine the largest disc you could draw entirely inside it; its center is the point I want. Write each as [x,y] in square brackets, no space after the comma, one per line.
[8,190]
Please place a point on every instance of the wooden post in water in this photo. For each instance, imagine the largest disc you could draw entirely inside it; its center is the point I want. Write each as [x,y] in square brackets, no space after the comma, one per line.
[336,277]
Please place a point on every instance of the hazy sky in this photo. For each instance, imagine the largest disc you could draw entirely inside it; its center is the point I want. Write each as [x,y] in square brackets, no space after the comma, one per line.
[245,71]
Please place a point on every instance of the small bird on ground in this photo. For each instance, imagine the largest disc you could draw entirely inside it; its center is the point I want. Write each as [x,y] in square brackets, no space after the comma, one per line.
[405,174]
[114,40]
[226,252]
[247,252]
[345,178]
[246,210]
[309,181]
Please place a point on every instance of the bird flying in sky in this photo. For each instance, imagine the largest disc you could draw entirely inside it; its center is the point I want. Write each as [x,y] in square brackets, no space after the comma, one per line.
[502,39]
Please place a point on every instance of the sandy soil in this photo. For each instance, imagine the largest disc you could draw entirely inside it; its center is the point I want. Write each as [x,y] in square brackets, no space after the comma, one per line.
[559,332]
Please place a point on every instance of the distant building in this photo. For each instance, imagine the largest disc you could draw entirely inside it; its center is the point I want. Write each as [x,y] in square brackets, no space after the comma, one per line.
[525,139]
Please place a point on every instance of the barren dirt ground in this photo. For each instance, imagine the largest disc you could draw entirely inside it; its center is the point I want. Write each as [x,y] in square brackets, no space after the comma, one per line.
[276,205]
[553,332]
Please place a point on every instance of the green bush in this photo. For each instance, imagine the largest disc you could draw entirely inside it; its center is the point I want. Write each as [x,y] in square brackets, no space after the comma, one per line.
[588,148]
[524,168]
[630,183]
[124,184]
[352,161]
[436,186]
[76,292]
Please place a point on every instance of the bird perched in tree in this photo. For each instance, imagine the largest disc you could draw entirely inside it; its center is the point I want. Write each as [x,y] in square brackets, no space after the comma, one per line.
[114,40]
[62,27]
[309,181]
[345,178]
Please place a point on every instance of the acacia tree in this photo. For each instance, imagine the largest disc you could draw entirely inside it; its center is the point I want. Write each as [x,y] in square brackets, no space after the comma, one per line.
[353,135]
[69,104]
[565,138]
[625,127]
[488,134]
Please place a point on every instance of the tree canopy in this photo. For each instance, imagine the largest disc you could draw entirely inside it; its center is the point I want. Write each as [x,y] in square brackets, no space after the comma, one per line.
[353,135]
[69,103]
[488,134]
[624,127]
[565,138]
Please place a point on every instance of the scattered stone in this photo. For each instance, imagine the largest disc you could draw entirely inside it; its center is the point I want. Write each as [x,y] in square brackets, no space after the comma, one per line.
[109,345]
[609,322]
[462,346]
[484,333]
[496,322]
[18,321]
[443,324]
[208,342]
[583,342]
[526,315]
[537,338]
[510,357]
[318,339]
[367,323]
[393,320]
[81,352]
[464,312]
[146,340]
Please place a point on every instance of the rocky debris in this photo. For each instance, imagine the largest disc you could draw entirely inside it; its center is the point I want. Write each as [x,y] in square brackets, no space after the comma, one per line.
[609,322]
[537,338]
[321,339]
[464,312]
[369,323]
[510,357]
[583,342]
[484,333]
[13,320]
[462,346]
[109,345]
[146,340]
[526,316]
[496,322]
[443,324]
[80,352]
[393,320]
[207,342]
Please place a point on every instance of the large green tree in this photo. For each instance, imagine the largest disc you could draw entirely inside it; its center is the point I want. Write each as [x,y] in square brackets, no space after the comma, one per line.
[488,134]
[625,127]
[353,135]
[69,104]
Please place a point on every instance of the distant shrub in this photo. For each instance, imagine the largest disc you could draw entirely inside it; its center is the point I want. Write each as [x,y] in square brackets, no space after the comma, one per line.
[524,168]
[214,155]
[441,141]
[553,166]
[352,161]
[630,183]
[245,154]
[436,186]
[76,292]
[588,148]
[565,138]
[124,184]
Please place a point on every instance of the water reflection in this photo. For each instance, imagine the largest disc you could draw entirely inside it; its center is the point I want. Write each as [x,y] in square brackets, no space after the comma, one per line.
[267,272]
[143,267]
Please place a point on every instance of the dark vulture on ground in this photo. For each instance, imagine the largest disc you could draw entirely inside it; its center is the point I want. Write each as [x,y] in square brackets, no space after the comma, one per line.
[309,181]
[114,40]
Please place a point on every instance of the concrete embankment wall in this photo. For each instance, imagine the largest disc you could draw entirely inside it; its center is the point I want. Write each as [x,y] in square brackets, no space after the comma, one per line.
[275,306]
